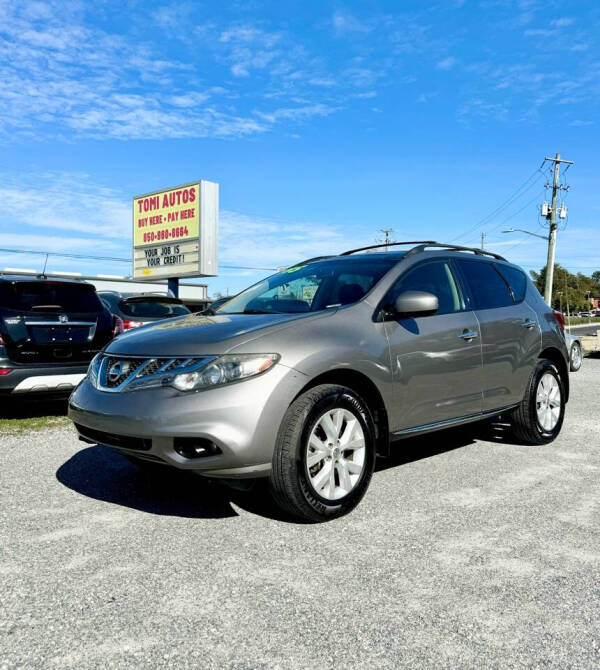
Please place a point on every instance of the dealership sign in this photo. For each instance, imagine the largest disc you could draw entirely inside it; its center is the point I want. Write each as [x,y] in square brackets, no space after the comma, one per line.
[175,232]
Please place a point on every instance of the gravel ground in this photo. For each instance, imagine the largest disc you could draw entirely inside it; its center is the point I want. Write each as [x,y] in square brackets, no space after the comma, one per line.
[468,551]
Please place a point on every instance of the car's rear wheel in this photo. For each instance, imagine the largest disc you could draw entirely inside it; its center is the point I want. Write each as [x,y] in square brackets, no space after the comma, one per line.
[325,454]
[539,417]
[576,357]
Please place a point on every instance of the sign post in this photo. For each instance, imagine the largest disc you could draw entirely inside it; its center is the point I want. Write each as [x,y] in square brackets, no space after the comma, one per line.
[173,286]
[175,233]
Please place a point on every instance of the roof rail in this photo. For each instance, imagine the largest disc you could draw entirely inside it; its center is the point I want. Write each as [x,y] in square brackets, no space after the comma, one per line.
[311,260]
[389,244]
[454,247]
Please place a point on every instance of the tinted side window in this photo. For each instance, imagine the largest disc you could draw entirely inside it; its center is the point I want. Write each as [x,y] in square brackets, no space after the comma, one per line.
[485,284]
[516,280]
[153,308]
[435,277]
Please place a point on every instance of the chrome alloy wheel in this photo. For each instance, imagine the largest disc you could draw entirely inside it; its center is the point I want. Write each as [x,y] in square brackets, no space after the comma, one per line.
[335,454]
[548,400]
[575,356]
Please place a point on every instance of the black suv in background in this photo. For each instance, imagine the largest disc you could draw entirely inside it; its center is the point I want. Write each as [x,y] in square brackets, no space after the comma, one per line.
[138,309]
[50,329]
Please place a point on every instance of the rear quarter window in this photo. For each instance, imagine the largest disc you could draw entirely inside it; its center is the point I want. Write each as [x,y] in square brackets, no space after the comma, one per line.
[487,287]
[516,280]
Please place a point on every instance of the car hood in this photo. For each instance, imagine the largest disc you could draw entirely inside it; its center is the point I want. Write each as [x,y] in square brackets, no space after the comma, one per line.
[200,335]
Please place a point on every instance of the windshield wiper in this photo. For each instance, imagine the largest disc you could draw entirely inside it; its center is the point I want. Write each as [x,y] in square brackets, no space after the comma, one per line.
[253,311]
[260,311]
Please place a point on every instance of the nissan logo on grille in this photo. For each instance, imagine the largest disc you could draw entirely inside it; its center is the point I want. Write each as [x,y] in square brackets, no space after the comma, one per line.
[117,370]
[63,318]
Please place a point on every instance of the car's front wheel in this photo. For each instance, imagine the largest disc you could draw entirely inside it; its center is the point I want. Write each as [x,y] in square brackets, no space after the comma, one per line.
[325,454]
[539,417]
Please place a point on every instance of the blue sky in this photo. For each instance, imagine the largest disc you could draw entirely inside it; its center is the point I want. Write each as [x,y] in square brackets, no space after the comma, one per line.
[323,122]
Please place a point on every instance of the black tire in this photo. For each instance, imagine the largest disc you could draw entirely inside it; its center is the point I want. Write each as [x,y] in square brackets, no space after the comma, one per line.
[575,365]
[525,423]
[289,481]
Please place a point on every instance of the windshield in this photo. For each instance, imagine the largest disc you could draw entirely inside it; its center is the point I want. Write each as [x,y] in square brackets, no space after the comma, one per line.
[153,308]
[311,287]
[49,296]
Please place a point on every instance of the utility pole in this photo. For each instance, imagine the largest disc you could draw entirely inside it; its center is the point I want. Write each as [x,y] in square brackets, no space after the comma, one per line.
[386,232]
[482,241]
[557,160]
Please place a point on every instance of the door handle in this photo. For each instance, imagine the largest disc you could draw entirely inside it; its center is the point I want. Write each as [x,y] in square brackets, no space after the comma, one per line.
[528,323]
[468,334]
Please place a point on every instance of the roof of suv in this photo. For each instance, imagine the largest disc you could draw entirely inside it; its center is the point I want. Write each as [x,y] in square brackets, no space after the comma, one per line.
[397,254]
[42,278]
[118,295]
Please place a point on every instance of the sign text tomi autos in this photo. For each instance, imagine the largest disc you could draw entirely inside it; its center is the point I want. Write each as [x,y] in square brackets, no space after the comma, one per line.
[170,214]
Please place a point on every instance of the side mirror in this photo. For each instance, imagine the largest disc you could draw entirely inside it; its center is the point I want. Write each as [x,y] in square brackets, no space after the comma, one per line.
[413,303]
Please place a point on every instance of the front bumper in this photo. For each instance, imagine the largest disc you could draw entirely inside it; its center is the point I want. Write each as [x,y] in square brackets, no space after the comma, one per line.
[242,419]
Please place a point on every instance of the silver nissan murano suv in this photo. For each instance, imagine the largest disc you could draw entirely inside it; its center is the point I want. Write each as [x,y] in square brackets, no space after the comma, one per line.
[307,376]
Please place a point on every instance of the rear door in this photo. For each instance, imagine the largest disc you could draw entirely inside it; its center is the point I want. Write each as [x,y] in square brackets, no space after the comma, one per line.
[510,333]
[436,360]
[52,321]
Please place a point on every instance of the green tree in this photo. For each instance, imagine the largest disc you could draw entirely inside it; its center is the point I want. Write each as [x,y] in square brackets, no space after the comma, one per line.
[574,290]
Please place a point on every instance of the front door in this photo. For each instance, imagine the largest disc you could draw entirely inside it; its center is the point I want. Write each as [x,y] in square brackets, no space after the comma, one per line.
[436,360]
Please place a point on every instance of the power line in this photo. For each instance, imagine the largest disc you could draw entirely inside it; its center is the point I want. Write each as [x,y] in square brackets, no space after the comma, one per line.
[523,188]
[108,258]
[511,216]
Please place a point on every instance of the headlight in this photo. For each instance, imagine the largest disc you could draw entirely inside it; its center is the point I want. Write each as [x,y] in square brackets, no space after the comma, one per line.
[93,370]
[225,369]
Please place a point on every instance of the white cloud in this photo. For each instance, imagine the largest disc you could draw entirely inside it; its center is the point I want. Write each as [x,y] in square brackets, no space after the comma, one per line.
[447,63]
[64,202]
[424,98]
[273,243]
[65,75]
[539,32]
[250,48]
[573,252]
[59,77]
[563,22]
[297,113]
[346,23]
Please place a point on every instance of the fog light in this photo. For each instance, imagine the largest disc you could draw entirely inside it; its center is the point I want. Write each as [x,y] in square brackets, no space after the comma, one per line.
[195,447]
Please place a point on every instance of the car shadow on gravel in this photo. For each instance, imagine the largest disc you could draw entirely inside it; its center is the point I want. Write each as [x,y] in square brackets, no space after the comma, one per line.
[432,444]
[103,474]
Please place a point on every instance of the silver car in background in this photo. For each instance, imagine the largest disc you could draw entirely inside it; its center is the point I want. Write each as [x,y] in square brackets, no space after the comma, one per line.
[307,376]
[576,352]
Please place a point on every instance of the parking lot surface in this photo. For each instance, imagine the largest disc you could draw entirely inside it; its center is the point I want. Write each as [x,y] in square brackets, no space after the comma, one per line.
[468,551]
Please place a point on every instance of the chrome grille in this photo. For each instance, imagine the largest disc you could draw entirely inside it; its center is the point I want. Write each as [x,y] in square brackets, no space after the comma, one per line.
[124,373]
[118,369]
